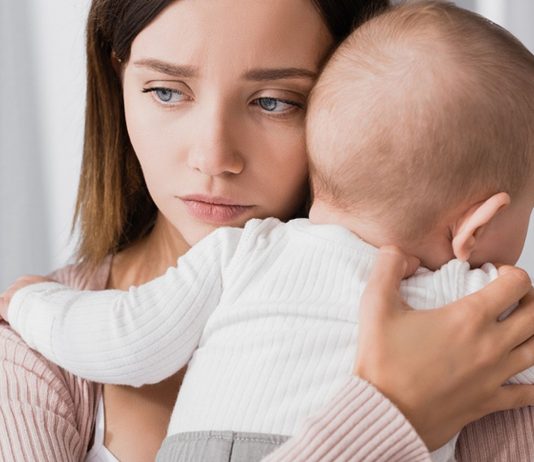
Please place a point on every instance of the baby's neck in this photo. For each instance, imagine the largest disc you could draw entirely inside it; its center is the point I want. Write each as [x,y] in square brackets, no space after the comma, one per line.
[433,251]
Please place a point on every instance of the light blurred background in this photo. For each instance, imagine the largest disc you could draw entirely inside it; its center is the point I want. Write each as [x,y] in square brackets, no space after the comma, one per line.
[42,86]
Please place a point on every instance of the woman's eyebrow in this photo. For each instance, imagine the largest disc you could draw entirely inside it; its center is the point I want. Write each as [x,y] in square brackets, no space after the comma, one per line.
[280,73]
[174,70]
[186,71]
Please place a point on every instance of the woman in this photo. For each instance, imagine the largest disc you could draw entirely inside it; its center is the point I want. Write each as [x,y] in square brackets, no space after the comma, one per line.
[195,120]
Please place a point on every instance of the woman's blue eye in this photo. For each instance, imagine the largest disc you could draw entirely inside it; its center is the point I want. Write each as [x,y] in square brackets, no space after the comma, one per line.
[275,105]
[269,104]
[166,95]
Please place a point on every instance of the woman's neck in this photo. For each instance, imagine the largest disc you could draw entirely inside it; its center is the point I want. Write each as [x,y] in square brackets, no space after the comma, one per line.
[149,257]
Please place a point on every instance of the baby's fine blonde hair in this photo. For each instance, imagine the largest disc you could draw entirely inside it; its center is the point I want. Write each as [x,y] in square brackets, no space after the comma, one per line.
[421,109]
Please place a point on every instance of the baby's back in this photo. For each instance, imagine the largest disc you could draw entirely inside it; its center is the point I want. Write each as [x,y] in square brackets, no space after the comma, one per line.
[282,341]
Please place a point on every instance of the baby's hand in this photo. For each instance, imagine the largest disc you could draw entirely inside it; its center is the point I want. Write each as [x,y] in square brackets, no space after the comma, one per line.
[21,282]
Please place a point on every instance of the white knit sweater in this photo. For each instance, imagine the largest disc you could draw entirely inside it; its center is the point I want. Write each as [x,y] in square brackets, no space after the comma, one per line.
[266,317]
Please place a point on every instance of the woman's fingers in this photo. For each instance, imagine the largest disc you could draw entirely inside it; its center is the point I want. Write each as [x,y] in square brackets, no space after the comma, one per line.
[519,326]
[466,354]
[511,285]
[520,359]
[512,397]
[390,268]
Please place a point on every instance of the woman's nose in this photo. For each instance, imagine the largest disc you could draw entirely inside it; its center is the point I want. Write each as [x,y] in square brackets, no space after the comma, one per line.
[214,150]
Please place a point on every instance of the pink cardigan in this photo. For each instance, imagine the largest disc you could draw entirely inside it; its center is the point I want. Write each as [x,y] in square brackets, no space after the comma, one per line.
[48,414]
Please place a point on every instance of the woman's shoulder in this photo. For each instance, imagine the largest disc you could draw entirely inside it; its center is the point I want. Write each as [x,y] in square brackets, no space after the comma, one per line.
[39,395]
[19,363]
[83,276]
[29,369]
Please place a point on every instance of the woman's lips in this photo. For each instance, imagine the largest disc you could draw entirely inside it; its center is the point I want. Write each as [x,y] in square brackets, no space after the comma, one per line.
[214,210]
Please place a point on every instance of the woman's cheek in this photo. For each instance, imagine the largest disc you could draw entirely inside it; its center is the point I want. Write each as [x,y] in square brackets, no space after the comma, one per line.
[152,142]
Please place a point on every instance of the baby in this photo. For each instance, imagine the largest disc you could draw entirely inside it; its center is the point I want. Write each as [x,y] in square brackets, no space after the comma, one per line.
[420,134]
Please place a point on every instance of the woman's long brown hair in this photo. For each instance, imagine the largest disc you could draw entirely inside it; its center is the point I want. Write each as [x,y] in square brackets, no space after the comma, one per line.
[113,207]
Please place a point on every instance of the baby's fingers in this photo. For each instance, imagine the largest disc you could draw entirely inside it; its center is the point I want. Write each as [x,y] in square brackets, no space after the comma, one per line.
[17,285]
[3,307]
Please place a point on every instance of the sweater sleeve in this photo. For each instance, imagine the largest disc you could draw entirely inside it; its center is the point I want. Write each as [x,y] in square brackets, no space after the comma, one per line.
[46,414]
[133,337]
[359,424]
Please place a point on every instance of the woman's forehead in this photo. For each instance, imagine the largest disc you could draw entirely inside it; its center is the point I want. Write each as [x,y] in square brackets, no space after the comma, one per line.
[237,33]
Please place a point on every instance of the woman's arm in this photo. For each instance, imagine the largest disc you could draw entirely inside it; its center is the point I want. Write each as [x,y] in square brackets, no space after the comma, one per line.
[441,368]
[359,424]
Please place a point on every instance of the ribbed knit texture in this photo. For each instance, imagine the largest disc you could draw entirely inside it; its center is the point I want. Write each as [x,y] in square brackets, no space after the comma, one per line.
[359,424]
[133,338]
[46,413]
[58,425]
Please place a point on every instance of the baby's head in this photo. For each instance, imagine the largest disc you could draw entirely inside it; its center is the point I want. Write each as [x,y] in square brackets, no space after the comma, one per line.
[421,134]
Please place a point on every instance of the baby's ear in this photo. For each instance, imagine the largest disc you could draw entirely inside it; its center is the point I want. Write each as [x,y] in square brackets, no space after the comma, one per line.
[472,223]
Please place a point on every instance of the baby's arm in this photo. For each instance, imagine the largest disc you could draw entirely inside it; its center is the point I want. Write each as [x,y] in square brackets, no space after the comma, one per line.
[132,337]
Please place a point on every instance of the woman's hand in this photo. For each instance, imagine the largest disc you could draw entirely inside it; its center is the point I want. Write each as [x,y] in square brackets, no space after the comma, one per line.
[444,368]
[21,282]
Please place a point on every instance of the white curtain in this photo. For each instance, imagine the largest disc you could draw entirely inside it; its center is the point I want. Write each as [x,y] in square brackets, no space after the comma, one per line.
[42,83]
[24,237]
[41,124]
[515,15]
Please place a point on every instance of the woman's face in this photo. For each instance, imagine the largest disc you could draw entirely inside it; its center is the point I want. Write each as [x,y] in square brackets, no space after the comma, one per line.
[215,96]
